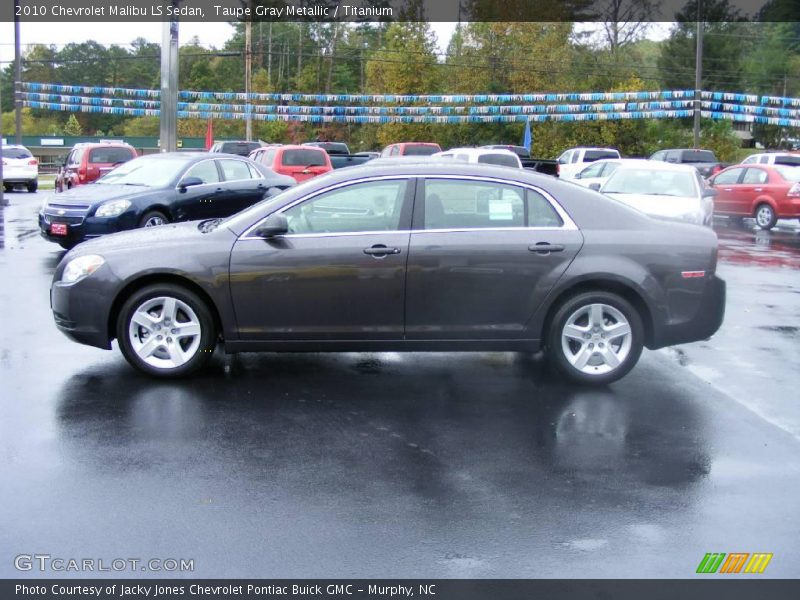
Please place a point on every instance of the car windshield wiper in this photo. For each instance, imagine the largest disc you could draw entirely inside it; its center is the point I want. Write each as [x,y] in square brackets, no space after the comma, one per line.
[209,225]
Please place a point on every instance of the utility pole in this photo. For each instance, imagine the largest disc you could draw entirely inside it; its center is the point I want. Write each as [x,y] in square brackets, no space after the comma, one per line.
[698,73]
[248,76]
[3,201]
[17,79]
[168,141]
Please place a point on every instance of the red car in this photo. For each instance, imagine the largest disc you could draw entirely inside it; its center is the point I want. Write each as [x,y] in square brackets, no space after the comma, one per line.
[89,161]
[300,162]
[411,149]
[765,192]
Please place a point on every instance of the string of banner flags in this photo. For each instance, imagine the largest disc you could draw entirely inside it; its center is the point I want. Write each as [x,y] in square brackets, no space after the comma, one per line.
[418,108]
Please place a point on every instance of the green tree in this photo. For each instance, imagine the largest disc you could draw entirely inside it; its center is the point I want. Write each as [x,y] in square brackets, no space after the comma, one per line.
[73,127]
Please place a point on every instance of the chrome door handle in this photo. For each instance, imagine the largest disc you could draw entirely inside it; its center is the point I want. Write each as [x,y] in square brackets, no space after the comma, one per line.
[759,189]
[728,189]
[380,251]
[545,248]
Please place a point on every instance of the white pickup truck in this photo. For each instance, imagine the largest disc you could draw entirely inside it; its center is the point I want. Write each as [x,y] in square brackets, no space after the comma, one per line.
[572,161]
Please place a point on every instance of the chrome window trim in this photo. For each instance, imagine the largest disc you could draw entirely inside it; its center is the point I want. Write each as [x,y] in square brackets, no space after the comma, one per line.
[568,223]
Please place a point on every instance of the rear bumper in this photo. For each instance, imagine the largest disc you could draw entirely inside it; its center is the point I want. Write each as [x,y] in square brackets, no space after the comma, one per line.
[706,321]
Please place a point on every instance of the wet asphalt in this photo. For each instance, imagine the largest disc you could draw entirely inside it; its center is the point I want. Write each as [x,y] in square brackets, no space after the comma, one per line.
[404,465]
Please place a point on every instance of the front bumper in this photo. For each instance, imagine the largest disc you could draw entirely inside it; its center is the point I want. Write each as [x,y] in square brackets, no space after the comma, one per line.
[81,311]
[704,323]
[80,228]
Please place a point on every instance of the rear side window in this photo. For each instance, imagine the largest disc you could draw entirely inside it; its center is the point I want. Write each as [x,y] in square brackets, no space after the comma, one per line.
[499,159]
[242,148]
[540,212]
[455,204]
[420,150]
[792,161]
[593,155]
[234,170]
[268,156]
[16,153]
[728,177]
[755,176]
[303,158]
[109,155]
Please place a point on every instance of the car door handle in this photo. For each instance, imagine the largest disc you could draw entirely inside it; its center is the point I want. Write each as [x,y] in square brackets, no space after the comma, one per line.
[380,251]
[728,189]
[759,189]
[545,248]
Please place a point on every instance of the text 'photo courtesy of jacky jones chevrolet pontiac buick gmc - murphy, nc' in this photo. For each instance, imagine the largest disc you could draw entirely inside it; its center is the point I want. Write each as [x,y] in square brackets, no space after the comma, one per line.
[407,257]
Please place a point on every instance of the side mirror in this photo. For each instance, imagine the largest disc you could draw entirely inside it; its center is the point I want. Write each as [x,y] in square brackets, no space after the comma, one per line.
[275,224]
[577,175]
[594,186]
[710,193]
[189,182]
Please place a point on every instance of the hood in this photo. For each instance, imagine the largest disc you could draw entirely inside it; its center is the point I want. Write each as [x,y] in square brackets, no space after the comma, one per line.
[661,206]
[93,193]
[149,238]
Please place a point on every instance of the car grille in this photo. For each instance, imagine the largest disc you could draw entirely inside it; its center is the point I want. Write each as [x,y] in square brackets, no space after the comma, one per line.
[63,219]
[57,206]
[71,214]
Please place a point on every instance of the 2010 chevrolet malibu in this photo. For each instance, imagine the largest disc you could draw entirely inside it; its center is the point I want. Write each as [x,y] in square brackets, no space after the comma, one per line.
[417,257]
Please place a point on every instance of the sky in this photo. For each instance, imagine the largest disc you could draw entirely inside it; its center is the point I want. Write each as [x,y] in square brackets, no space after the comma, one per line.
[209,34]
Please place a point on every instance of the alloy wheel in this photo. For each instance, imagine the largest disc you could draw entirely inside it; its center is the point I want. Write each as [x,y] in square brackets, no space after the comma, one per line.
[596,339]
[165,332]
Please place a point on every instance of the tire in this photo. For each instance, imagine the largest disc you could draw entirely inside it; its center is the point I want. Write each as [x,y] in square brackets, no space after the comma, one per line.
[765,216]
[609,353]
[8,188]
[143,319]
[153,218]
[33,186]
[68,245]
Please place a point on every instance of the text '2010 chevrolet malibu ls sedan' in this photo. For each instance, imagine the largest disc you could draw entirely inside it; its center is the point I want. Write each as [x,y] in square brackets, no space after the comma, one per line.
[394,257]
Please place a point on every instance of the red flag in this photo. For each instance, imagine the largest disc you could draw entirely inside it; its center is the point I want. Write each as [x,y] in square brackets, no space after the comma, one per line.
[209,135]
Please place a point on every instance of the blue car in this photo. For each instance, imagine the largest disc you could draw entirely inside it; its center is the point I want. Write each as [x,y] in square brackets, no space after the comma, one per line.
[157,189]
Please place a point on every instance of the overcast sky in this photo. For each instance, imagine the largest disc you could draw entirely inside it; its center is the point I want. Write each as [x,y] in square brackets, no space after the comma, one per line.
[209,34]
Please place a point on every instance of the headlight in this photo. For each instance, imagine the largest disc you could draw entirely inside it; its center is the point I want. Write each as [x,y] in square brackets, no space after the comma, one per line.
[692,217]
[81,267]
[113,208]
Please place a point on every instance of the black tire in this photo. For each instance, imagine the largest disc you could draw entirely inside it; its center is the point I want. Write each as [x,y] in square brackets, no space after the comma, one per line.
[68,245]
[33,186]
[207,337]
[555,348]
[152,215]
[765,216]
[8,188]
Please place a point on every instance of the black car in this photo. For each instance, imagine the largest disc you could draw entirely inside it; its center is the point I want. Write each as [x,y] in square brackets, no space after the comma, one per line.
[158,189]
[401,257]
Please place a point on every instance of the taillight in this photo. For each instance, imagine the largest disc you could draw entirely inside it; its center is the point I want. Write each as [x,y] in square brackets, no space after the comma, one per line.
[716,169]
[558,169]
[33,161]
[82,174]
[794,190]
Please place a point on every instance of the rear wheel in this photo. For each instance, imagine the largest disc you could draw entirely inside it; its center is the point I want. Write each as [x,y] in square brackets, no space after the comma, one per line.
[595,337]
[765,216]
[67,245]
[153,218]
[33,185]
[8,188]
[166,330]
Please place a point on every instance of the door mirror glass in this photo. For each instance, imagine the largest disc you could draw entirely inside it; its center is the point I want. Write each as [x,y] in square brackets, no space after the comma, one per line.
[275,224]
[594,186]
[710,193]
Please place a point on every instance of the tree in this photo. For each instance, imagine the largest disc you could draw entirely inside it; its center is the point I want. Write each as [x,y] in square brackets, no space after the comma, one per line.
[72,127]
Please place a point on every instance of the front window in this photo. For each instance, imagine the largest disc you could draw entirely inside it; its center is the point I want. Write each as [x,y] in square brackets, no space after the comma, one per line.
[368,206]
[593,171]
[150,172]
[728,177]
[206,171]
[652,182]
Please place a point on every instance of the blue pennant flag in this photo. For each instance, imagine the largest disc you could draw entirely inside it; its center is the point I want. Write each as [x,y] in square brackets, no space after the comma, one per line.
[527,139]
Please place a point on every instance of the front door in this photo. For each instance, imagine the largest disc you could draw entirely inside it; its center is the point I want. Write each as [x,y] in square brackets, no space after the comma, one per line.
[482,258]
[339,274]
[198,201]
[727,186]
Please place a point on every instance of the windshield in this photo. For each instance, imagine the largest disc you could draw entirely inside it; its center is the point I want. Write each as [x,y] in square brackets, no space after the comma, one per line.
[154,171]
[651,182]
[789,173]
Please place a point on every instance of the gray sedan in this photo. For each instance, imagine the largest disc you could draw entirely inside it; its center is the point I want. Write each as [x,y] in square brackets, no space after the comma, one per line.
[401,257]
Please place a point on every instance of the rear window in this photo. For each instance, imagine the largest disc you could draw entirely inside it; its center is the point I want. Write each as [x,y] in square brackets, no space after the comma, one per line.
[110,155]
[304,158]
[698,156]
[420,150]
[241,148]
[16,153]
[593,155]
[789,173]
[791,161]
[502,160]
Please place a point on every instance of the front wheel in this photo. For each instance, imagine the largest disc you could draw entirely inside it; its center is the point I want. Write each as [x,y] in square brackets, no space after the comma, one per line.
[766,217]
[153,218]
[595,337]
[166,330]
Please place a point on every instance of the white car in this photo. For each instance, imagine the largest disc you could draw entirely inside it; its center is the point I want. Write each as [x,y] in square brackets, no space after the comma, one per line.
[19,168]
[662,190]
[773,158]
[599,171]
[573,161]
[489,156]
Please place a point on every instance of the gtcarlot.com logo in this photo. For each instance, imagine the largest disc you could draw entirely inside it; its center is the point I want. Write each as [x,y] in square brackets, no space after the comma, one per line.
[735,562]
[46,562]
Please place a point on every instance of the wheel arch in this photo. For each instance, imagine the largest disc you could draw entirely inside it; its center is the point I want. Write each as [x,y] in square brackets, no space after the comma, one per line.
[603,284]
[763,200]
[155,278]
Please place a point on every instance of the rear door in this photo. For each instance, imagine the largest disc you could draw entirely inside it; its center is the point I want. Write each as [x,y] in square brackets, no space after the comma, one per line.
[339,274]
[243,187]
[483,255]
